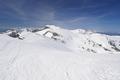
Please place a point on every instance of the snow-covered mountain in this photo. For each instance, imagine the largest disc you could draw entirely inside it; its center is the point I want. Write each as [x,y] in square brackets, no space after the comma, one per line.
[54,53]
[77,40]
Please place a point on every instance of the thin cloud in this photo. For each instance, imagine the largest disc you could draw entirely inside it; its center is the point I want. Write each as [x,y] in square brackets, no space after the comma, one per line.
[42,12]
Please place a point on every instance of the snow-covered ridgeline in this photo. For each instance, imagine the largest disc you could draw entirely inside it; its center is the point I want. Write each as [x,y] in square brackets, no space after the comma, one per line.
[76,40]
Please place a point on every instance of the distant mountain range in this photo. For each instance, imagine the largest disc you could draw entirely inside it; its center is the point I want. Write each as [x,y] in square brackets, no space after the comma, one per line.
[78,39]
[107,33]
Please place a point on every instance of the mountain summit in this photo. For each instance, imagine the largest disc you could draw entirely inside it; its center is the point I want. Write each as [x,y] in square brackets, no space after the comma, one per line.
[76,40]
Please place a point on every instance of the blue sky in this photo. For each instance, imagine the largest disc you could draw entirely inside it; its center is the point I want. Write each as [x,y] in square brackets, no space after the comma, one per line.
[99,15]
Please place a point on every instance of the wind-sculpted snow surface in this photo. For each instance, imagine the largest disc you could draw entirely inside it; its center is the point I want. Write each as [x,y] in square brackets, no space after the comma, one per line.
[53,53]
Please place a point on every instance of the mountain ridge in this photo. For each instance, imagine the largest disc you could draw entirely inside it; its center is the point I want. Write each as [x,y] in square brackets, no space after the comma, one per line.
[77,40]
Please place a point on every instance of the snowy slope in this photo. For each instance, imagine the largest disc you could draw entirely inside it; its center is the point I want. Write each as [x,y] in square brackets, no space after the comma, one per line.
[76,40]
[53,53]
